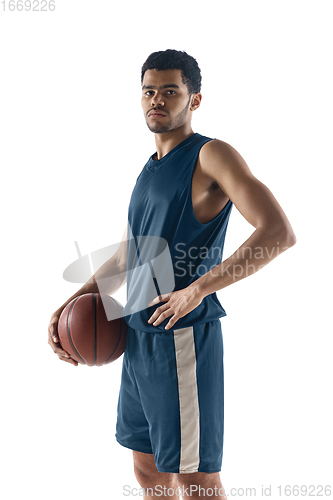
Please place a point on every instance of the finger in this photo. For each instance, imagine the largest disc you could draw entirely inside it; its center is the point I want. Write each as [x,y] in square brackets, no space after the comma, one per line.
[162,317]
[152,302]
[54,336]
[61,352]
[54,320]
[158,312]
[51,329]
[171,323]
[58,350]
[70,360]
[160,298]
[53,333]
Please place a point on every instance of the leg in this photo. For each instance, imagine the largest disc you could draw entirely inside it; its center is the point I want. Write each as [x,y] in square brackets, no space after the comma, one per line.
[201,485]
[148,477]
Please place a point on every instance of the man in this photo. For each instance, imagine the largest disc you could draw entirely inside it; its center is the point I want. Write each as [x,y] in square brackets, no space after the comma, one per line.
[170,408]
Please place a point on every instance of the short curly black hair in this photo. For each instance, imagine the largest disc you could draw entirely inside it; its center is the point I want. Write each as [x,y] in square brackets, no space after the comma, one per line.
[176,59]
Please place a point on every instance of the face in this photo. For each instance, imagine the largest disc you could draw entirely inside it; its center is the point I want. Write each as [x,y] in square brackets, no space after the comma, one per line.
[165,101]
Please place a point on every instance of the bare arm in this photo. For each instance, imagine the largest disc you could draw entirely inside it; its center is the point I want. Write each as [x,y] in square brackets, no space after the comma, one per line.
[273,233]
[115,270]
[115,267]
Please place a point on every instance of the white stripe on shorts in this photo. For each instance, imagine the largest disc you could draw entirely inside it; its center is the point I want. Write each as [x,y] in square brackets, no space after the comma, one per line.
[188,400]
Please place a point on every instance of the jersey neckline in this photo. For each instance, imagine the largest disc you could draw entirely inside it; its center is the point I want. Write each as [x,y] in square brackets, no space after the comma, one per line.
[154,164]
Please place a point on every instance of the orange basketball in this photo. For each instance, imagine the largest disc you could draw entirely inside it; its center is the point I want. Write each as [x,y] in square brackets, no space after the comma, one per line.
[86,333]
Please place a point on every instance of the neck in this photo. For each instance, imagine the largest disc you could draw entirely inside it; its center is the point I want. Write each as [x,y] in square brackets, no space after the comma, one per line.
[168,140]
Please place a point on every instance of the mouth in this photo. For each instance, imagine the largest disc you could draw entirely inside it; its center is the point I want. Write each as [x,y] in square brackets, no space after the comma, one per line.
[155,114]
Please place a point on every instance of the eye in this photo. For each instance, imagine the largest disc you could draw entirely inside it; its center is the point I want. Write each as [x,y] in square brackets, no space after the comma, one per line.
[172,91]
[147,92]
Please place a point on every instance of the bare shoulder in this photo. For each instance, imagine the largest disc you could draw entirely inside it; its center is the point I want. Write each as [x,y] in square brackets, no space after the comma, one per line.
[219,155]
[251,197]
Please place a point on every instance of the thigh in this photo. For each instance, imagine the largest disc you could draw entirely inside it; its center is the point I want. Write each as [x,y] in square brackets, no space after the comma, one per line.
[145,464]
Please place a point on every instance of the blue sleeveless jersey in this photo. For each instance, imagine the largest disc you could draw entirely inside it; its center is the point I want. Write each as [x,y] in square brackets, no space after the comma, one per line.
[167,247]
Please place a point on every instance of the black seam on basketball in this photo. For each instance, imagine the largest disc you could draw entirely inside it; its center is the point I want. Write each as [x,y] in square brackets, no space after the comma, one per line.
[69,331]
[95,304]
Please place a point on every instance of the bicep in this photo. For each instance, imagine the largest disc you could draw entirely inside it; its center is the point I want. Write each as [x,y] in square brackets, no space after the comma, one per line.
[250,196]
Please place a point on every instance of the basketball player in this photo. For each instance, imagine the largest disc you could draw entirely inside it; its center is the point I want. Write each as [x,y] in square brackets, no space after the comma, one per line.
[170,407]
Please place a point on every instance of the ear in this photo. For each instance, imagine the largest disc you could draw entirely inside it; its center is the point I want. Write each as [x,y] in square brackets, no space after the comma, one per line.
[195,101]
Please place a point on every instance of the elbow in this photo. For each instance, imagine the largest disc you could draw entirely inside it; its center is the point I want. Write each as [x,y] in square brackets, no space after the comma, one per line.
[280,235]
[293,239]
[287,237]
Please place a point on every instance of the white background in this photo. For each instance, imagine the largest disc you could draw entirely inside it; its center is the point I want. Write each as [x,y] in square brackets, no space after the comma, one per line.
[73,141]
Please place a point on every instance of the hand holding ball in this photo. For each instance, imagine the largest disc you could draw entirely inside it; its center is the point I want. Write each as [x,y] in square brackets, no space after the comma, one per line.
[86,333]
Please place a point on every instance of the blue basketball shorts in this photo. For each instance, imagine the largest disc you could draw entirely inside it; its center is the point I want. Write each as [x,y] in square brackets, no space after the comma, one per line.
[171,399]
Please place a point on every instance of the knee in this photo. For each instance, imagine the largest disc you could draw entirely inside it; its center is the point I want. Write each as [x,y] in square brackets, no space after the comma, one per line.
[144,477]
[148,478]
[204,480]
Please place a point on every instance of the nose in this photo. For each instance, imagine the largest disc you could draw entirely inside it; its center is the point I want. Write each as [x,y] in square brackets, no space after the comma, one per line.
[157,99]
